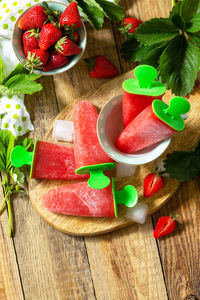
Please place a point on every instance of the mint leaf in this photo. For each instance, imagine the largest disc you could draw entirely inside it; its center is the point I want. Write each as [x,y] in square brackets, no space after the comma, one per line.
[22,84]
[179,64]
[9,150]
[189,9]
[5,136]
[7,141]
[194,24]
[2,157]
[155,30]
[111,10]
[195,38]
[183,165]
[1,69]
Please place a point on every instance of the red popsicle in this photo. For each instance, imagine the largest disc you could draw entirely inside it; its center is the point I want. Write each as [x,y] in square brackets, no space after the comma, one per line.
[157,122]
[81,200]
[139,93]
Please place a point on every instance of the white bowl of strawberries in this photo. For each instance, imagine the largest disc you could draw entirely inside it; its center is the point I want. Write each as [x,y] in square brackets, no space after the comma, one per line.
[49,37]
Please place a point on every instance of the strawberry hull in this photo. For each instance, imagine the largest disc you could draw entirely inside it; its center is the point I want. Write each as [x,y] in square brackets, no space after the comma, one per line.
[53,161]
[143,131]
[80,200]
[87,149]
[134,104]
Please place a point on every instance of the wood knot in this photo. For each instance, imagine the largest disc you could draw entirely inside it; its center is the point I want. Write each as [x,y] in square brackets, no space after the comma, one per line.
[192,297]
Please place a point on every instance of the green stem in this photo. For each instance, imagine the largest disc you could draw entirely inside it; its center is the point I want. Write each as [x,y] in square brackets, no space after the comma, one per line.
[4,201]
[9,216]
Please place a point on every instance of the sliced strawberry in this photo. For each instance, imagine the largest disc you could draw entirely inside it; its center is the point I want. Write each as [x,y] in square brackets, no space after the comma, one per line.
[30,40]
[36,59]
[34,18]
[66,47]
[129,25]
[55,61]
[70,16]
[100,67]
[164,226]
[49,35]
[152,184]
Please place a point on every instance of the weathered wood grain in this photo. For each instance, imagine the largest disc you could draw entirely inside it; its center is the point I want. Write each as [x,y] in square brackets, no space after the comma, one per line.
[10,284]
[52,265]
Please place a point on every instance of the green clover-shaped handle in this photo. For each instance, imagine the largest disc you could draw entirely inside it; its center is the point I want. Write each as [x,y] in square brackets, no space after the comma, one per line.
[145,75]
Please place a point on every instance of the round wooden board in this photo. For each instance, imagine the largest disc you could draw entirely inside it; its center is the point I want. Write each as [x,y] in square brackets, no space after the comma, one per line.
[185,140]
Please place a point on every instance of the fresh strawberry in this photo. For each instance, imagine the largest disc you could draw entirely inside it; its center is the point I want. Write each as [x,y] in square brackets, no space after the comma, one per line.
[70,16]
[49,36]
[36,59]
[129,25]
[66,47]
[34,18]
[30,40]
[101,67]
[152,184]
[164,226]
[55,61]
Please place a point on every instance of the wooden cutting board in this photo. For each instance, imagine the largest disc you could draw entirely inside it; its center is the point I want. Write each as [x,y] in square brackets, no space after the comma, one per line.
[185,140]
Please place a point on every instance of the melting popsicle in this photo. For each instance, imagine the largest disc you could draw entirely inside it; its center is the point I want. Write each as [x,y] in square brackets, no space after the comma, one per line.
[89,155]
[81,200]
[47,161]
[157,122]
[140,92]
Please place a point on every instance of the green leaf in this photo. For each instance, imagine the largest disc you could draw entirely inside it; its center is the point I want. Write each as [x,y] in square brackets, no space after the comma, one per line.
[1,69]
[182,166]
[22,84]
[177,9]
[178,21]
[155,31]
[27,143]
[189,9]
[2,165]
[111,10]
[195,38]
[9,150]
[5,136]
[194,24]
[152,56]
[179,64]
[92,12]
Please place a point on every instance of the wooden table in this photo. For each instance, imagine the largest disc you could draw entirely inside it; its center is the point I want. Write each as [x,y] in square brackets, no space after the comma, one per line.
[44,264]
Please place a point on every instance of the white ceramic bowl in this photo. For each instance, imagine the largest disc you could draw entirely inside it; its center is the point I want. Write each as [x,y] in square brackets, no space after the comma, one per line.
[18,48]
[109,126]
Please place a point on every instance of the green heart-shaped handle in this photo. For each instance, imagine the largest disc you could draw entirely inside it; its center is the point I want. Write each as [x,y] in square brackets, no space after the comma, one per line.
[21,157]
[145,75]
[178,106]
[128,196]
[98,180]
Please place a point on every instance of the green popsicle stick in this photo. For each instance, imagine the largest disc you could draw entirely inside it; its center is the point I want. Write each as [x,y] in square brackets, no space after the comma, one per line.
[97,179]
[171,115]
[21,157]
[128,196]
[145,83]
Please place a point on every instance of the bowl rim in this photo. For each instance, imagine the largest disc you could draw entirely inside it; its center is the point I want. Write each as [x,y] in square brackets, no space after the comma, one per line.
[61,69]
[118,156]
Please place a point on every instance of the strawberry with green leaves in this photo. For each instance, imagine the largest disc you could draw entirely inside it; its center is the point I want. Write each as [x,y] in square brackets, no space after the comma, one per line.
[34,18]
[129,25]
[36,59]
[153,182]
[71,17]
[100,67]
[165,225]
[49,36]
[55,61]
[30,40]
[66,47]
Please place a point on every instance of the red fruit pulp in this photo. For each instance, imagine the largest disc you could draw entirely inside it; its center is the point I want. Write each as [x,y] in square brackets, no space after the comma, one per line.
[164,226]
[152,184]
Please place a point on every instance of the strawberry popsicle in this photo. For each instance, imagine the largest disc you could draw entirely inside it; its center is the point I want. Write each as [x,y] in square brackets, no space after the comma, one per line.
[48,161]
[89,155]
[81,200]
[157,122]
[140,92]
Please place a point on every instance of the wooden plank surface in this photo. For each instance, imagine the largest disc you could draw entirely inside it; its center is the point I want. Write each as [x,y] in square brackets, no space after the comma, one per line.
[128,264]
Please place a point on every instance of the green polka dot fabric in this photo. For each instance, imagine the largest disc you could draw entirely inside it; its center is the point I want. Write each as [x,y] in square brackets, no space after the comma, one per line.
[14,115]
[10,10]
